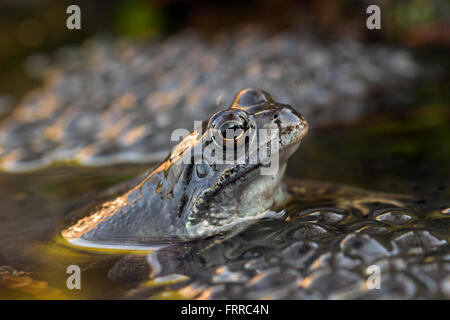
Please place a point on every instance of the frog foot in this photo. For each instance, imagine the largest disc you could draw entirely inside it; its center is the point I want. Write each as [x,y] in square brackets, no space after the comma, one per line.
[363,204]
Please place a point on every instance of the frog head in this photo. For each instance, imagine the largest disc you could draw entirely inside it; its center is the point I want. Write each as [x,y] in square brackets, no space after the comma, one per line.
[233,168]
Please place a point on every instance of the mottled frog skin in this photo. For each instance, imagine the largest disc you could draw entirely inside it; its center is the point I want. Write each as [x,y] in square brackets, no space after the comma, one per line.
[184,199]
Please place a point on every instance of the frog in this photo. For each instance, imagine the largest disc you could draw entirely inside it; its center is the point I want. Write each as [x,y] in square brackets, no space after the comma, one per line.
[194,194]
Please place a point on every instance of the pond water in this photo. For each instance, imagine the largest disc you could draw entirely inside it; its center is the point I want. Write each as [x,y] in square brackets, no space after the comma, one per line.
[405,153]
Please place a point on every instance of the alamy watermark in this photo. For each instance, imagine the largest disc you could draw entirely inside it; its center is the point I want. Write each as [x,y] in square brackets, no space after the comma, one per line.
[374,20]
[74,19]
[74,280]
[374,279]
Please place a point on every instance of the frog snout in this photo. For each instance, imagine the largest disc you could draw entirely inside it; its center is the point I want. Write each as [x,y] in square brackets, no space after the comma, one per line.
[291,122]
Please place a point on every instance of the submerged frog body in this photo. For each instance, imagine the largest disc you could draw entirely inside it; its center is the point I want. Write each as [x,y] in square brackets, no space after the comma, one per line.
[213,182]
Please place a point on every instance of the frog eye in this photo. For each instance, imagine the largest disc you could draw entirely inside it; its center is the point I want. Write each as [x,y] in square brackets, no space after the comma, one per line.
[233,130]
[230,132]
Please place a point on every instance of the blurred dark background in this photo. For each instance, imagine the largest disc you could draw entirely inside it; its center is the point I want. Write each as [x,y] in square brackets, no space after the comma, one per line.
[35,26]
